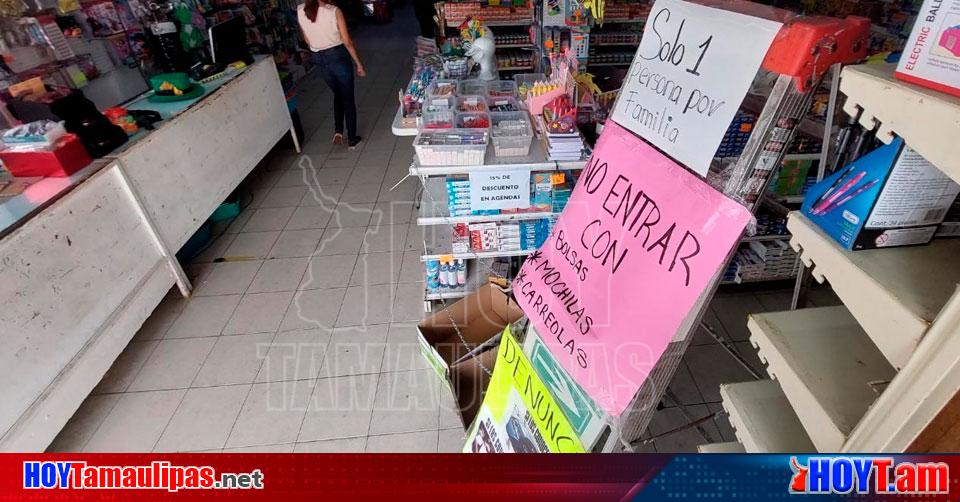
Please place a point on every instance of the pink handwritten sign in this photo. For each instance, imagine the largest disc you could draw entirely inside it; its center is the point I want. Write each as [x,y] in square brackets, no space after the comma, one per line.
[637,243]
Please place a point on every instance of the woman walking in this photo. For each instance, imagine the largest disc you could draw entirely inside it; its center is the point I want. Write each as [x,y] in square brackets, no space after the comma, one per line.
[325,31]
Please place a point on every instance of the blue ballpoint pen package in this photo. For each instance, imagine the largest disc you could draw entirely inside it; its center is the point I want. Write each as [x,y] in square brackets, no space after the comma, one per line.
[890,197]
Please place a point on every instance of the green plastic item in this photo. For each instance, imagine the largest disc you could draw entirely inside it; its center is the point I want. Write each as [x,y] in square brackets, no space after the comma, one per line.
[195,91]
[179,80]
[226,211]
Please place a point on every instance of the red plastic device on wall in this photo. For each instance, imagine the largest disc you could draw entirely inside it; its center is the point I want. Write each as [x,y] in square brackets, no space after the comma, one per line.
[807,46]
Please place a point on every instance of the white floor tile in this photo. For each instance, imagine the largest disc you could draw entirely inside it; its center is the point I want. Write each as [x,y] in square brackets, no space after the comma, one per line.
[407,401]
[264,448]
[339,408]
[259,313]
[384,239]
[341,241]
[346,445]
[366,305]
[451,441]
[204,316]
[331,271]
[366,192]
[204,419]
[309,217]
[355,350]
[282,274]
[227,278]
[408,305]
[324,195]
[411,268]
[251,245]
[402,351]
[394,213]
[352,215]
[296,243]
[136,422]
[234,360]
[317,308]
[295,355]
[410,442]
[376,268]
[272,413]
[367,175]
[286,196]
[333,176]
[173,364]
[272,218]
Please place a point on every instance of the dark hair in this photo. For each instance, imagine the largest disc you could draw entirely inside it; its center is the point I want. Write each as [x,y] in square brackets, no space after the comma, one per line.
[310,7]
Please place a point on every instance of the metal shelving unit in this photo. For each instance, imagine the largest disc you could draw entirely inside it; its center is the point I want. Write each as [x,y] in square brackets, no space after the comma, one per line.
[435,214]
[435,211]
[536,161]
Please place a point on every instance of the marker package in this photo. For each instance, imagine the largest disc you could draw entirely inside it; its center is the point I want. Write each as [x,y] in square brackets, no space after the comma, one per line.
[889,197]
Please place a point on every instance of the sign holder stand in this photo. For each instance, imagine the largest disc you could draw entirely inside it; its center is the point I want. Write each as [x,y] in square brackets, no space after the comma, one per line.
[804,50]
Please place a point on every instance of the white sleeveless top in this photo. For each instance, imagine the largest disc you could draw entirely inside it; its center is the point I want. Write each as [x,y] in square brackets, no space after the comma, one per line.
[323,33]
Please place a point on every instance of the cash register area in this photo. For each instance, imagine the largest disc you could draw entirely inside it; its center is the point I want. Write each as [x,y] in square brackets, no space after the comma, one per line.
[308,344]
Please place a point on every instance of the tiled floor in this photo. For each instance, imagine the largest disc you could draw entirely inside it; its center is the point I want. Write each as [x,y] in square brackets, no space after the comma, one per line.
[301,332]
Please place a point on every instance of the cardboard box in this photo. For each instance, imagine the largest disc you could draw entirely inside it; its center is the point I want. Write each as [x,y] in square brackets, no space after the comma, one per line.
[890,197]
[931,56]
[480,316]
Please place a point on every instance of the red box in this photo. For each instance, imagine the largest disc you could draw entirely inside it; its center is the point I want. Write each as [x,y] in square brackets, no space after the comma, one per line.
[67,157]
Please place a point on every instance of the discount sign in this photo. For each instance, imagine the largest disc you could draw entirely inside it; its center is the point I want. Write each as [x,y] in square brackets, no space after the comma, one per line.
[689,76]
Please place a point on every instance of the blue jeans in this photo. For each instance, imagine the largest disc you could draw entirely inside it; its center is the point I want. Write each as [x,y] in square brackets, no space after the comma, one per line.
[336,69]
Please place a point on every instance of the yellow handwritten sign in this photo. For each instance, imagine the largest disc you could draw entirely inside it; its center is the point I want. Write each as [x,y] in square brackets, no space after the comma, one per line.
[518,413]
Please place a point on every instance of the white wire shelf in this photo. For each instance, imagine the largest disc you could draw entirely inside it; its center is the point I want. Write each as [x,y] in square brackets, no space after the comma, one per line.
[535,161]
[434,209]
[477,275]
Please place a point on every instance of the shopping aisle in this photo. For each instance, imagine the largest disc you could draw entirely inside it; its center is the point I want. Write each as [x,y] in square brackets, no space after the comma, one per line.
[301,333]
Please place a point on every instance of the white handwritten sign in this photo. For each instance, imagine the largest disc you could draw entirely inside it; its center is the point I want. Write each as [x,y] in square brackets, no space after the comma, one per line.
[689,76]
[499,190]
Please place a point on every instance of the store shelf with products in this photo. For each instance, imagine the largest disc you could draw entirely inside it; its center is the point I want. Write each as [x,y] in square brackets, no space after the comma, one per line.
[535,161]
[478,273]
[895,293]
[434,250]
[826,366]
[926,119]
[434,209]
[763,419]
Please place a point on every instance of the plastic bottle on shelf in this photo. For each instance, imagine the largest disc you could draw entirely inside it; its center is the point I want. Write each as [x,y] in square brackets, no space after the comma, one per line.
[433,274]
[452,274]
[444,270]
[461,272]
